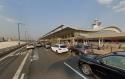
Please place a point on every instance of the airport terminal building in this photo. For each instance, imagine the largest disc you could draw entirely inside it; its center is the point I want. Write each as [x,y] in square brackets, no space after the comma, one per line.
[72,35]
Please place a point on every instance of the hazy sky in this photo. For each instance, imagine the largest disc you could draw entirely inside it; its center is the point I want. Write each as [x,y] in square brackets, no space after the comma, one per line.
[41,16]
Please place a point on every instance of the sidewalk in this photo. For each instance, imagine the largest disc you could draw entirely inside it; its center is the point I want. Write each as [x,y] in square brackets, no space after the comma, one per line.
[9,44]
[106,51]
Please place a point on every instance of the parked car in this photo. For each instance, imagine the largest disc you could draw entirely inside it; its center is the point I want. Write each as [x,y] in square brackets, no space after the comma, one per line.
[81,49]
[59,48]
[109,66]
[30,46]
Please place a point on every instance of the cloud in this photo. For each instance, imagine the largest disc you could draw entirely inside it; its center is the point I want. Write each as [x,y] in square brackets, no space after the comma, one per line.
[11,20]
[115,5]
[120,7]
[8,19]
[105,2]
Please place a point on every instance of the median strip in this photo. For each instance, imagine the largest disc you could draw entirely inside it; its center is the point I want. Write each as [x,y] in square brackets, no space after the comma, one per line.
[75,70]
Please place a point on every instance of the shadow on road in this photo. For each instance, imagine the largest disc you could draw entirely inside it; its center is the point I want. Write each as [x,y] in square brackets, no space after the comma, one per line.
[60,71]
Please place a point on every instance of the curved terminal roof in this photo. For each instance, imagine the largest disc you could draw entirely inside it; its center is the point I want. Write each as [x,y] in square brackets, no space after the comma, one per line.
[64,30]
[112,28]
[103,32]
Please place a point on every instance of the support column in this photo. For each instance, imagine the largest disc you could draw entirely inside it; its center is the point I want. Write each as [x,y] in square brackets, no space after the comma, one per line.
[99,42]
[73,41]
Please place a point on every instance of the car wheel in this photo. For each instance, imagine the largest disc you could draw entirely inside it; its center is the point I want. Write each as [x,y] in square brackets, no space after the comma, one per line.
[51,50]
[56,51]
[85,68]
[76,53]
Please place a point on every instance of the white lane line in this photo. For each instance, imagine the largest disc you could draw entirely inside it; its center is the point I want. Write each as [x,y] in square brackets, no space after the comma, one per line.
[11,54]
[16,76]
[22,76]
[35,56]
[17,54]
[74,70]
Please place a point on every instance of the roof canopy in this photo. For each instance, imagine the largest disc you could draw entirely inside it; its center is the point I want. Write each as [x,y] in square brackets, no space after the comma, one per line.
[111,31]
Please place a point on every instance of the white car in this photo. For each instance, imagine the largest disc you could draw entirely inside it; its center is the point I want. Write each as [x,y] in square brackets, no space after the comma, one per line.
[30,46]
[59,48]
[38,45]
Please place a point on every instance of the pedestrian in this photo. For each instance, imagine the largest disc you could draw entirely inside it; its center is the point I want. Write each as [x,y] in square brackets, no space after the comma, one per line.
[119,46]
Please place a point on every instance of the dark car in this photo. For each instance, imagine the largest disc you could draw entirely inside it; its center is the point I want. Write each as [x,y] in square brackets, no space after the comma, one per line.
[110,66]
[81,49]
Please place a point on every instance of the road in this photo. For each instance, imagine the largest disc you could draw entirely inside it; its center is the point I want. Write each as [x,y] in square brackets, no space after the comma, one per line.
[40,63]
[10,63]
[49,65]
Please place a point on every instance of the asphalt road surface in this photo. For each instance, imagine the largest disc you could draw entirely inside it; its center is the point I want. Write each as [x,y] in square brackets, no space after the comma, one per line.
[40,63]
[49,65]
[10,63]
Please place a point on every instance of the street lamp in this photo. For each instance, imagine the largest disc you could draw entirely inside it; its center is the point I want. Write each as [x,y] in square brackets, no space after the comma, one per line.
[19,33]
[26,38]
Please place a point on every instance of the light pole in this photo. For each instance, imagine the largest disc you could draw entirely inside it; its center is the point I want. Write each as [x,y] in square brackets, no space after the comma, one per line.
[19,33]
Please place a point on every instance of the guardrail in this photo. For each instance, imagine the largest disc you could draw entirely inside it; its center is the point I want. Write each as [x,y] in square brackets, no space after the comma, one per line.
[6,51]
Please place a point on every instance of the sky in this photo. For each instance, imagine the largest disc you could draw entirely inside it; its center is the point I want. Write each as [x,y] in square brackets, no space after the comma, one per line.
[41,16]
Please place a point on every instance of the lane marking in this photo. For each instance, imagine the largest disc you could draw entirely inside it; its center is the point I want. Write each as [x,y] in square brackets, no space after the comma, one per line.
[16,76]
[17,53]
[74,70]
[21,53]
[11,54]
[22,76]
[35,56]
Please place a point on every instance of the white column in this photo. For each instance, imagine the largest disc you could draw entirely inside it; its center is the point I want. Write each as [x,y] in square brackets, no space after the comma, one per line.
[99,42]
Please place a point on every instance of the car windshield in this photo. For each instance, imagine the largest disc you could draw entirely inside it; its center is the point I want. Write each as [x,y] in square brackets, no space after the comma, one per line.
[79,46]
[30,44]
[91,56]
[63,46]
[87,47]
[115,61]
